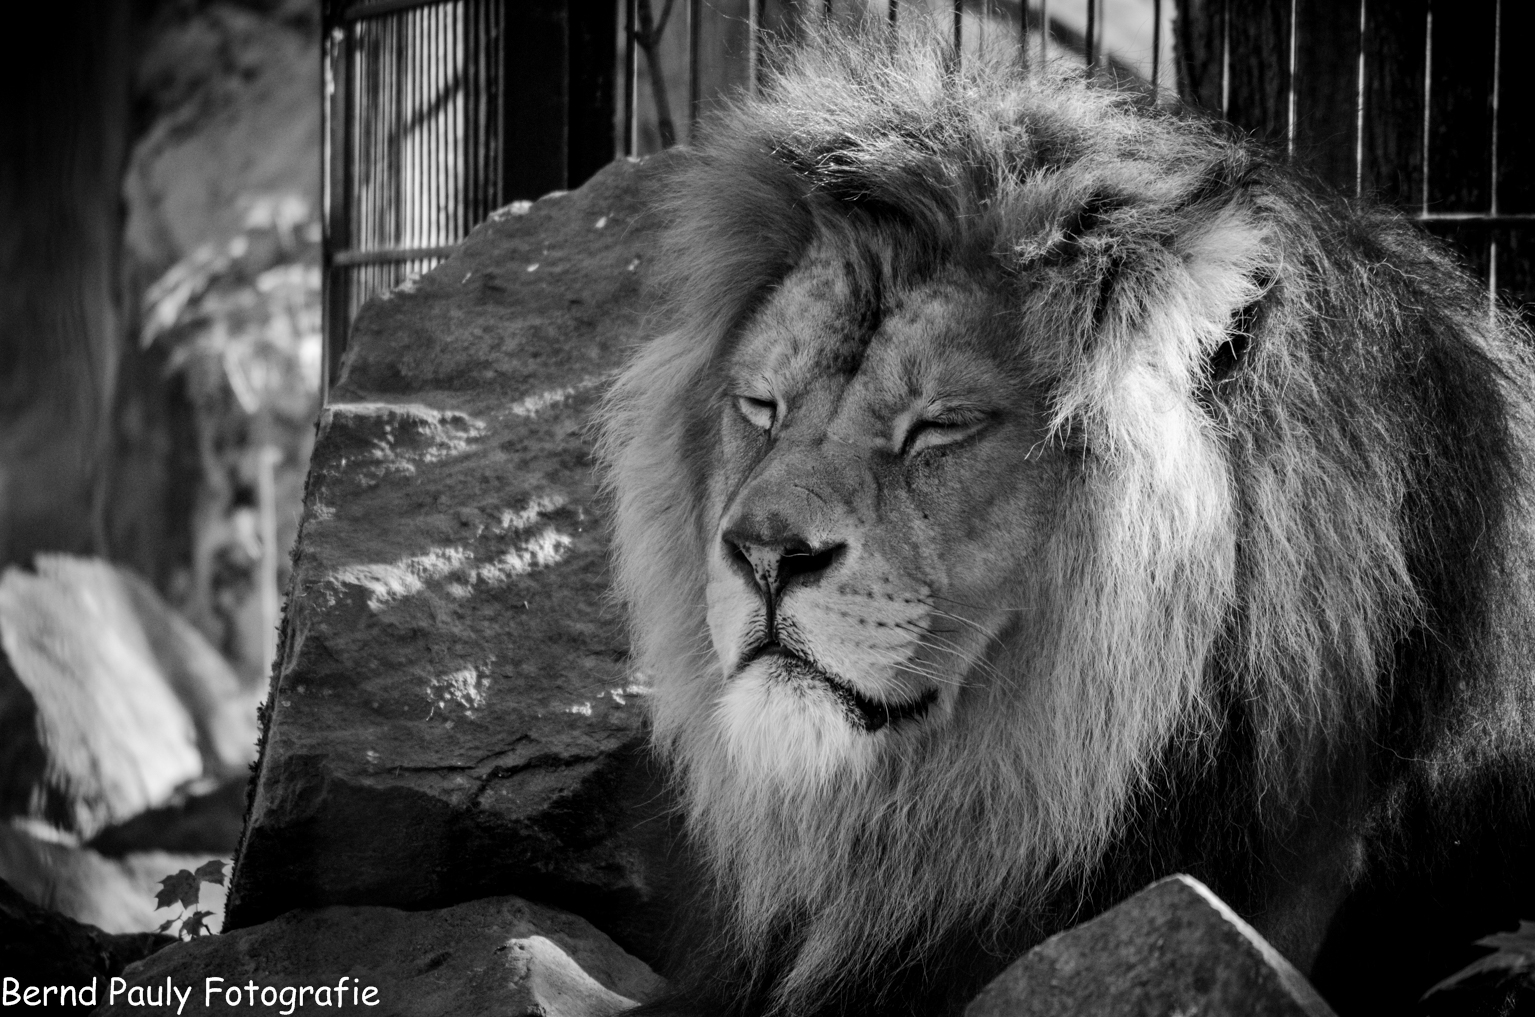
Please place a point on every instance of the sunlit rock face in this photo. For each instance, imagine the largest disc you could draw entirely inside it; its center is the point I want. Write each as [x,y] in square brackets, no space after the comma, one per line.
[453,714]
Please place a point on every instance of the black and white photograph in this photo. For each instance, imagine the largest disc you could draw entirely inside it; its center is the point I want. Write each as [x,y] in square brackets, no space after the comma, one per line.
[767,508]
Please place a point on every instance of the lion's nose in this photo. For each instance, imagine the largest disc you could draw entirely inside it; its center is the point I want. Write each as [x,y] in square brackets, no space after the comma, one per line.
[772,564]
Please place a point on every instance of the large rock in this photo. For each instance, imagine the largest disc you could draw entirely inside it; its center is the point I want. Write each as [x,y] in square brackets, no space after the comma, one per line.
[1173,948]
[453,715]
[121,700]
[500,956]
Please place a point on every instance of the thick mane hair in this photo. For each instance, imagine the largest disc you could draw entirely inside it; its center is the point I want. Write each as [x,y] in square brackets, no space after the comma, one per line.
[1286,605]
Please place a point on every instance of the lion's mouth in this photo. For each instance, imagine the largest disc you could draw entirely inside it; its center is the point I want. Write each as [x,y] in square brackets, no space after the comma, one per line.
[869,714]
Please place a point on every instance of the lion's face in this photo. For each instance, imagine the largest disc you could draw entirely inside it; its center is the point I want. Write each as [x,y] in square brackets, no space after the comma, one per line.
[877,451]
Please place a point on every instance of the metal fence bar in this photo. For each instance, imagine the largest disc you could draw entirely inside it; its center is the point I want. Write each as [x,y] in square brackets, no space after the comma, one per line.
[695,94]
[1226,57]
[1044,32]
[959,32]
[1428,89]
[1023,33]
[754,46]
[1359,102]
[1091,42]
[631,79]
[1289,124]
[1492,189]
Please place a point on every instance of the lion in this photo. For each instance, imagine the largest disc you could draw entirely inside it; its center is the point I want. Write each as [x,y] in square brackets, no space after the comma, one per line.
[1026,492]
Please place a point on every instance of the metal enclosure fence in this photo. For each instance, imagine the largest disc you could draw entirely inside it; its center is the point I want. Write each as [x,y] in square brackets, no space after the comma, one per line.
[1416,102]
[439,111]
[413,141]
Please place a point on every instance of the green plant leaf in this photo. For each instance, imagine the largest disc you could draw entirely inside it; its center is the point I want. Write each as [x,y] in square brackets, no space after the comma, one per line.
[1513,957]
[211,872]
[165,924]
[181,887]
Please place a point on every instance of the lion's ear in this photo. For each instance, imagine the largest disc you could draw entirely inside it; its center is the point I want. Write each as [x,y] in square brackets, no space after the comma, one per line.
[1227,284]
[1230,354]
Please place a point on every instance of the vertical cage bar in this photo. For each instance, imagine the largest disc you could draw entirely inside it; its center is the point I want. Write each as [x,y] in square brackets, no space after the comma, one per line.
[425,119]
[1156,49]
[468,199]
[495,139]
[455,136]
[458,172]
[959,32]
[442,125]
[476,99]
[1492,187]
[893,12]
[341,192]
[365,129]
[695,90]
[1023,33]
[753,46]
[1225,58]
[1044,32]
[1359,103]
[409,49]
[419,127]
[443,115]
[480,98]
[495,114]
[437,140]
[1289,120]
[383,59]
[631,78]
[1092,39]
[1428,93]
[415,129]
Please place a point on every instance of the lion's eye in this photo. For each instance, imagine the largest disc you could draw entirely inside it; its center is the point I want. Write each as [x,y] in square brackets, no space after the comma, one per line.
[760,413]
[941,429]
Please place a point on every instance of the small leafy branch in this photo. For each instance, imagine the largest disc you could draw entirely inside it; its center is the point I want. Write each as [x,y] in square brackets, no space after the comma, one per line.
[185,888]
[1510,966]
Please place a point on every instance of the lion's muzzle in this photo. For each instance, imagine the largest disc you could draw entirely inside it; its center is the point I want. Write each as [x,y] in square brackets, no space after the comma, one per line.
[773,562]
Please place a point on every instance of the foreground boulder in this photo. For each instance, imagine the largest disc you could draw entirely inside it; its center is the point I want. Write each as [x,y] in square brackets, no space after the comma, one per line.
[452,715]
[501,956]
[42,947]
[1173,948]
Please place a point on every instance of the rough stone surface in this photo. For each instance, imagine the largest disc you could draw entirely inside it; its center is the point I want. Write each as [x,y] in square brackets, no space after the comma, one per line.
[121,702]
[1173,948]
[501,956]
[453,715]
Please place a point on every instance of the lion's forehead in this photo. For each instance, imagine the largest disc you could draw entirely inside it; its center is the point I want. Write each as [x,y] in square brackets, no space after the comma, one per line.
[892,343]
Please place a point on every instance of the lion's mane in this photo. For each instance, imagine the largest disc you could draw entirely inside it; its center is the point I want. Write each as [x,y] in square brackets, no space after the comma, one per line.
[1290,586]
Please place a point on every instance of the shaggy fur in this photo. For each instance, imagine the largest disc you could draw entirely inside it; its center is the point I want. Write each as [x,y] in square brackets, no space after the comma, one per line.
[1246,571]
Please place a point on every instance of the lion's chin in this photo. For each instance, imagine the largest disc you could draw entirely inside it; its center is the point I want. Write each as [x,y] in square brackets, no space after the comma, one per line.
[786,719]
